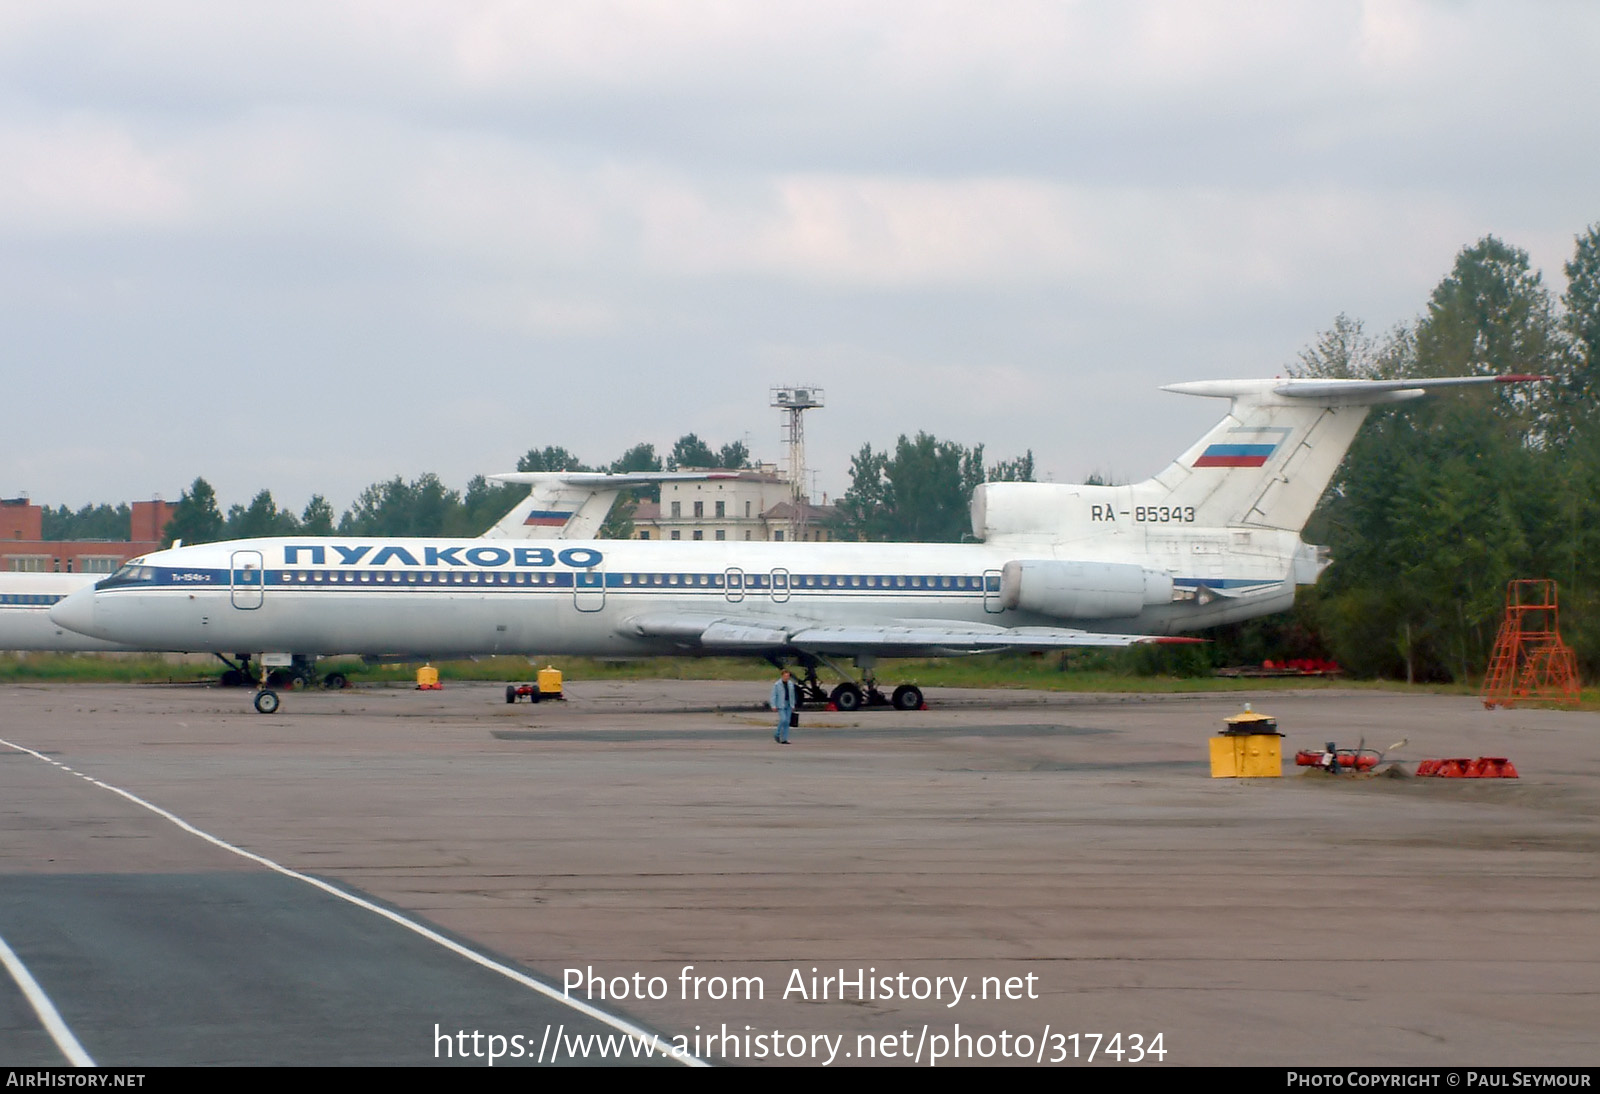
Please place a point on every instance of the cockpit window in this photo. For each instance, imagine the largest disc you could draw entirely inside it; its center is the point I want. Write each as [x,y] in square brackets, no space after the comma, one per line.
[131,574]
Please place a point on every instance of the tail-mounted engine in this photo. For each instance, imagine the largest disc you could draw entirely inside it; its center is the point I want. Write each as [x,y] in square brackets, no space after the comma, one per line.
[1082,590]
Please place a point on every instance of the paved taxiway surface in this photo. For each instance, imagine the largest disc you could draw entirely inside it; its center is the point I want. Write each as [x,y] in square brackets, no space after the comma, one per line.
[1076,840]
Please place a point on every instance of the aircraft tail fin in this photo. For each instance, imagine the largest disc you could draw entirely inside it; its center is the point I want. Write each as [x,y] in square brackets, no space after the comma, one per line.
[555,509]
[1266,464]
[575,504]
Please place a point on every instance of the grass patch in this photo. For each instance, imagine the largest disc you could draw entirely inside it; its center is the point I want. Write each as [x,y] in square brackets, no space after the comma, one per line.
[1082,672]
[104,668]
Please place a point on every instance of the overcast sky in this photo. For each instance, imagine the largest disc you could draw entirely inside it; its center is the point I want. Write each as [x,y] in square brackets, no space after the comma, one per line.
[306,246]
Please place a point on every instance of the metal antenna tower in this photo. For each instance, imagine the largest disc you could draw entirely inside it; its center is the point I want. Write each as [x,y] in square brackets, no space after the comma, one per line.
[794,402]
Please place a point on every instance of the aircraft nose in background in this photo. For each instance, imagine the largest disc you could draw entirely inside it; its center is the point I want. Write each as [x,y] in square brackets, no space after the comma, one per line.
[76,612]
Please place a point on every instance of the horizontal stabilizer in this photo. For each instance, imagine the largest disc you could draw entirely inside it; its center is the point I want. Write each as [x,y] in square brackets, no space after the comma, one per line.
[1339,392]
[1323,389]
[601,480]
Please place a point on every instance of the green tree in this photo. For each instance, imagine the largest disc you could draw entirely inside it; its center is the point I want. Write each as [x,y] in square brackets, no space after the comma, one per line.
[1575,522]
[734,456]
[422,507]
[691,451]
[483,505]
[550,458]
[920,493]
[90,522]
[1424,533]
[262,518]
[641,457]
[195,518]
[1492,315]
[1580,321]
[317,519]
[1346,352]
[864,512]
[1019,469]
[1438,505]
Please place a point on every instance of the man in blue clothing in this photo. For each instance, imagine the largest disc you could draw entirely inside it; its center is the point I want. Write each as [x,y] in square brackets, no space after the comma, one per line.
[783,701]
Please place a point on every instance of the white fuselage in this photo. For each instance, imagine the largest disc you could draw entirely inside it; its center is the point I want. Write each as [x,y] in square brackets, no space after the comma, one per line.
[613,598]
[25,623]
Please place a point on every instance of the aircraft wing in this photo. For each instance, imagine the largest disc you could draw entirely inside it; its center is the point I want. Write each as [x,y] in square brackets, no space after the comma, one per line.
[743,634]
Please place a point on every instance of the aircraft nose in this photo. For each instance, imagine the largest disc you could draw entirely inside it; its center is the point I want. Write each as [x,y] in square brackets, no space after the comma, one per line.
[77,613]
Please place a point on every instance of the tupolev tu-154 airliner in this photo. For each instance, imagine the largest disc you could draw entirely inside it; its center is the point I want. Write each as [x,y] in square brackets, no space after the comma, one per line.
[1213,538]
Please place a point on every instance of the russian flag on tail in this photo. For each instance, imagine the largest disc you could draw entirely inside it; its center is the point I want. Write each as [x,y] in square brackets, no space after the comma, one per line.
[1235,455]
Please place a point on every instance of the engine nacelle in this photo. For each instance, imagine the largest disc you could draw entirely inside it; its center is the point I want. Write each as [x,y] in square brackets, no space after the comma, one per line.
[1082,590]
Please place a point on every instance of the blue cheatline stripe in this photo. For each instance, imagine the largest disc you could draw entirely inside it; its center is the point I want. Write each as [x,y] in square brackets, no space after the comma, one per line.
[455,581]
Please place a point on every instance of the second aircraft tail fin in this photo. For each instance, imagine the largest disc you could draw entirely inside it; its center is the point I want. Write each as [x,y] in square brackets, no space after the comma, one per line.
[1264,466]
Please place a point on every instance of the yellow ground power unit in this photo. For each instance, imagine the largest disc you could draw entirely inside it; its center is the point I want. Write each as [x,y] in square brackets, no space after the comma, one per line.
[549,682]
[1249,748]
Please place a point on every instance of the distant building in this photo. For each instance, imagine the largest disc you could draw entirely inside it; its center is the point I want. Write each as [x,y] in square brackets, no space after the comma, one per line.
[22,546]
[756,505]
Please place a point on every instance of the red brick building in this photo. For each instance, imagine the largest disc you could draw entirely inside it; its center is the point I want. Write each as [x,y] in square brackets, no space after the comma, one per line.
[22,546]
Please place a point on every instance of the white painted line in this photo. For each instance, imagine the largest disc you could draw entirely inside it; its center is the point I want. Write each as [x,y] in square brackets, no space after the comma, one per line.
[431,935]
[46,1010]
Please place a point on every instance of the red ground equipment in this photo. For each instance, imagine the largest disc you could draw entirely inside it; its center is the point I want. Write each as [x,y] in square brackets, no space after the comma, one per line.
[1484,767]
[1347,759]
[1530,662]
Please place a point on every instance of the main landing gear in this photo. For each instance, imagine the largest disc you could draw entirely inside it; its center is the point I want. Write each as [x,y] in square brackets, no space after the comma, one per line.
[301,673]
[851,696]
